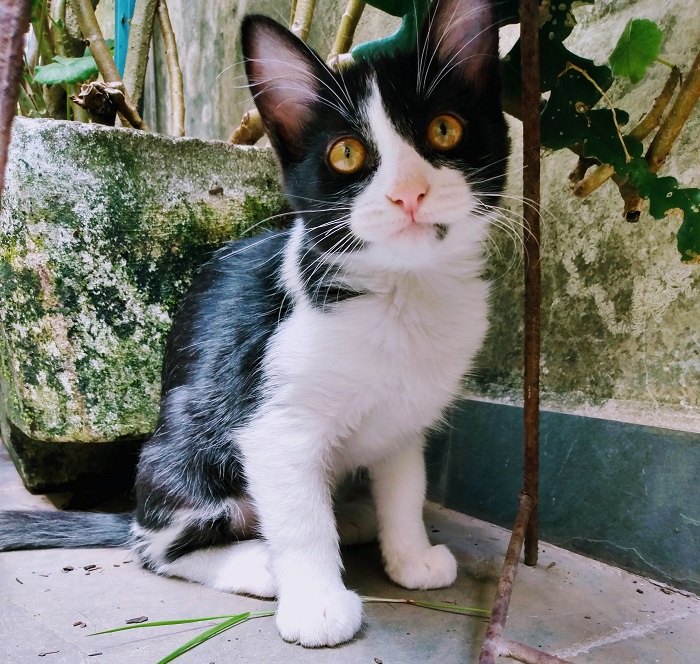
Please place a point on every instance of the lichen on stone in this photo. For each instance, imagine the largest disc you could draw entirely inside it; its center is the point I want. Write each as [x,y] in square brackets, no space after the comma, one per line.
[100,232]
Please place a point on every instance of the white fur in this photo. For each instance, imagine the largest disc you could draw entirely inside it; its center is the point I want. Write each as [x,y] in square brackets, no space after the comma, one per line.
[359,385]
[356,387]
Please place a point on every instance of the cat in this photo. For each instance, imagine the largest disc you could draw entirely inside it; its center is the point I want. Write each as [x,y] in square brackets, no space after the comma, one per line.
[300,356]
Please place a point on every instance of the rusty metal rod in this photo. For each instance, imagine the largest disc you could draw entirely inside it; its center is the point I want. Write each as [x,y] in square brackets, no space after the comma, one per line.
[529,46]
[499,611]
[14,18]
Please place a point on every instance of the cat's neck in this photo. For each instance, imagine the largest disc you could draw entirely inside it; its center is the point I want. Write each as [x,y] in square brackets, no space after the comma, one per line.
[361,272]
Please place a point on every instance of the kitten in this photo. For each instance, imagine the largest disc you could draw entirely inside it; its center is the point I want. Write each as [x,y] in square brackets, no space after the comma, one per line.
[301,356]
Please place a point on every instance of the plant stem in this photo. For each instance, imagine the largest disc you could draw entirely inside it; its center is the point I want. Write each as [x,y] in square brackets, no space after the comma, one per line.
[645,126]
[303,15]
[652,119]
[587,76]
[250,131]
[675,119]
[140,35]
[346,29]
[100,51]
[177,99]
[14,18]
[666,62]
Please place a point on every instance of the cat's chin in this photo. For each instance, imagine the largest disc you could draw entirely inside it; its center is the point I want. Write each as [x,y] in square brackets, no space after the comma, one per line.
[408,251]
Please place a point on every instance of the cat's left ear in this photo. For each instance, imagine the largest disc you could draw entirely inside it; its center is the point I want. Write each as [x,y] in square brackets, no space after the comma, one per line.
[284,75]
[463,36]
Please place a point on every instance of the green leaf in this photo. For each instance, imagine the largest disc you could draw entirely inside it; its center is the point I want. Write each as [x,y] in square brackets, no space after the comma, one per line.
[689,237]
[205,636]
[637,49]
[66,70]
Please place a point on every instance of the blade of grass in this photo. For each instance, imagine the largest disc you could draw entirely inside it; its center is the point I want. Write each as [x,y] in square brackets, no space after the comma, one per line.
[205,636]
[160,623]
[454,608]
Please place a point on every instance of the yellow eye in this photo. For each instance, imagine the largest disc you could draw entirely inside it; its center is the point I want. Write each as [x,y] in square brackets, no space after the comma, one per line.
[445,132]
[347,155]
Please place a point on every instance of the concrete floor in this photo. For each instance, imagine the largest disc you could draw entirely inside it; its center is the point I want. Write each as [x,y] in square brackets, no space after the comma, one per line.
[579,609]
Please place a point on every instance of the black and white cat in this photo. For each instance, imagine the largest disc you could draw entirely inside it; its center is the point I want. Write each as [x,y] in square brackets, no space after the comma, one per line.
[300,356]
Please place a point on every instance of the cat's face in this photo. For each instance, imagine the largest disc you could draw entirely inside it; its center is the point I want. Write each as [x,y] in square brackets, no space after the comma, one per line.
[395,159]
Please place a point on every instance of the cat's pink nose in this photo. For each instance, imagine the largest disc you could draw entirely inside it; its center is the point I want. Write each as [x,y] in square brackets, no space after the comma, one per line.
[409,195]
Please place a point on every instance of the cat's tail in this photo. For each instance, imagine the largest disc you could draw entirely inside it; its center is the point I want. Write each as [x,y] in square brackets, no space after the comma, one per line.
[43,529]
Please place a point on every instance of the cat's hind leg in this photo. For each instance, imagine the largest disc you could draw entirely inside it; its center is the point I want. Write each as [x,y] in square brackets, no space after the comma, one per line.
[355,516]
[202,546]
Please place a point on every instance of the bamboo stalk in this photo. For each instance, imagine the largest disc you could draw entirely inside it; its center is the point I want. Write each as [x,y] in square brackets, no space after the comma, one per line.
[140,36]
[177,99]
[100,51]
[14,18]
[303,15]
[346,30]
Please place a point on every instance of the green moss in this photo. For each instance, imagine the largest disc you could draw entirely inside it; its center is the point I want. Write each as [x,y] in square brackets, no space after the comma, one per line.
[101,231]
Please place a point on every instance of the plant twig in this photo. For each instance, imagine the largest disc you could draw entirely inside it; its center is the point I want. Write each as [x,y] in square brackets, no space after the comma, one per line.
[250,131]
[631,197]
[140,35]
[652,119]
[303,15]
[587,76]
[346,29]
[177,99]
[14,18]
[100,51]
[676,118]
[645,126]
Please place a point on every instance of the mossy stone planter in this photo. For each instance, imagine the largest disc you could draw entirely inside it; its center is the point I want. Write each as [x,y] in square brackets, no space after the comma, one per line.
[100,231]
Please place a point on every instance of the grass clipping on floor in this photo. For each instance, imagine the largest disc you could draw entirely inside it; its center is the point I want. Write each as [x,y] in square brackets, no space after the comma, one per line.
[229,621]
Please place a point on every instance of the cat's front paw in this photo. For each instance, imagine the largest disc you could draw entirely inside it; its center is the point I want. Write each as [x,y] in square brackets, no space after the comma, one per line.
[435,567]
[317,621]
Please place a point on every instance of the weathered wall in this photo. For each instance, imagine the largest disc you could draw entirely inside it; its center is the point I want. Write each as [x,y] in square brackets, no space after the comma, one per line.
[210,56]
[620,311]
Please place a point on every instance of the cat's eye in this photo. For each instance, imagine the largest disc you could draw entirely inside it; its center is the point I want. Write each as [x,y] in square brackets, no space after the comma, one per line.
[445,132]
[347,155]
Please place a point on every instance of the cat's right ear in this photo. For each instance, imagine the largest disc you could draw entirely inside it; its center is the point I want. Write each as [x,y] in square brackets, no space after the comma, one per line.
[284,76]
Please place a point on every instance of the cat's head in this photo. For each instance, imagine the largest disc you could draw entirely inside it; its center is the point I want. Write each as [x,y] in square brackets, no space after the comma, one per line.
[396,158]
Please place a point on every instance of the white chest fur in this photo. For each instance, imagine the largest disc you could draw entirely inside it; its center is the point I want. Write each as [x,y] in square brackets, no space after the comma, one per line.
[381,366]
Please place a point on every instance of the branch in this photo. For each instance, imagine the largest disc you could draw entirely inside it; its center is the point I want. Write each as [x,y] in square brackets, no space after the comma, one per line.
[250,131]
[140,35]
[303,15]
[676,118]
[177,100]
[14,18]
[346,29]
[645,126]
[100,51]
[652,119]
[588,77]
[630,196]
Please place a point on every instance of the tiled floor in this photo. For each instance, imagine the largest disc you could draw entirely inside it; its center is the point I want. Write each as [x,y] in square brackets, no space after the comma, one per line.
[568,605]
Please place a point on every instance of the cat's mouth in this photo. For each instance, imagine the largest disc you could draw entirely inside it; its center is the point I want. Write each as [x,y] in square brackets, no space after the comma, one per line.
[423,230]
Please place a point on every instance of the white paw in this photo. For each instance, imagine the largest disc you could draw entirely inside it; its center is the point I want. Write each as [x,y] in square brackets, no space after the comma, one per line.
[316,621]
[435,567]
[357,523]
[248,571]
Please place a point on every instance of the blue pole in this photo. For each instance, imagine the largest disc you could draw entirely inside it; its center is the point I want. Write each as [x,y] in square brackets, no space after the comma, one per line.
[123,12]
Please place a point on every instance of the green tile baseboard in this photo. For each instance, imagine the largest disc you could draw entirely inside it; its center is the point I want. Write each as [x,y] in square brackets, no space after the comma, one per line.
[622,493]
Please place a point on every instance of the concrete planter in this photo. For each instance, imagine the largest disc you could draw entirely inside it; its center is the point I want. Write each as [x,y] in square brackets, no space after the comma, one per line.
[100,230]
